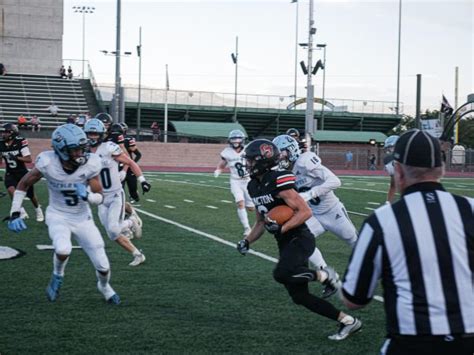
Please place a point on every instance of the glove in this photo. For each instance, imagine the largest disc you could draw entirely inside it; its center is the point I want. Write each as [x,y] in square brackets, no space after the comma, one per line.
[272,227]
[122,175]
[145,186]
[15,223]
[217,172]
[81,191]
[243,246]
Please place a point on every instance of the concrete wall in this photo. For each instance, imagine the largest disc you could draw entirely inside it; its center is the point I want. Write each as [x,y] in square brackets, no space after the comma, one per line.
[31,35]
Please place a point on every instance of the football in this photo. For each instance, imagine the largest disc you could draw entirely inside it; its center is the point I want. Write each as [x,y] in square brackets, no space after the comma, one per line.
[280,214]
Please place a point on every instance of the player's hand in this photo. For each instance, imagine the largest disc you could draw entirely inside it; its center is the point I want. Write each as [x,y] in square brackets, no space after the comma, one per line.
[243,246]
[217,172]
[145,186]
[272,227]
[122,175]
[81,191]
[15,223]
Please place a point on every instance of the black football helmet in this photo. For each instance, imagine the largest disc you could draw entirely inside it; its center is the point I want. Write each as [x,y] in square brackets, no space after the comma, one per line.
[293,132]
[105,118]
[116,128]
[124,127]
[9,131]
[261,155]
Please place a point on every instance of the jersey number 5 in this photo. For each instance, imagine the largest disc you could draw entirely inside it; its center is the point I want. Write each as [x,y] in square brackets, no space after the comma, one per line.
[70,197]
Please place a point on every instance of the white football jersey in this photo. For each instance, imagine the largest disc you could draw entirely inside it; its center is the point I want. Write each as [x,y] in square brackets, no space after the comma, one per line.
[109,173]
[309,173]
[235,162]
[62,193]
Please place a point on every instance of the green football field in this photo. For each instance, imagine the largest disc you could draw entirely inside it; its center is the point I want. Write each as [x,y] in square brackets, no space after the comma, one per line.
[194,294]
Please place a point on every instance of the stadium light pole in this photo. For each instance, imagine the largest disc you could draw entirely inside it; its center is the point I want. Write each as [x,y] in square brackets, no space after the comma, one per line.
[139,103]
[83,10]
[310,125]
[235,59]
[117,65]
[323,46]
[296,50]
[397,108]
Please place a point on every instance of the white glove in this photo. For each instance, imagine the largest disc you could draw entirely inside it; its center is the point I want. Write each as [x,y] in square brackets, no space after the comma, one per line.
[307,195]
[122,175]
[217,172]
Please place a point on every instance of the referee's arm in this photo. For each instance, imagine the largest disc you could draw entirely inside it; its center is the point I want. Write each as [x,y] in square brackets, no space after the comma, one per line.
[365,265]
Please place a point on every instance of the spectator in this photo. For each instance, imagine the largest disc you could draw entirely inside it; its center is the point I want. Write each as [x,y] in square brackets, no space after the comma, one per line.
[62,72]
[3,70]
[372,162]
[69,73]
[35,123]
[53,110]
[155,129]
[22,122]
[349,156]
[71,119]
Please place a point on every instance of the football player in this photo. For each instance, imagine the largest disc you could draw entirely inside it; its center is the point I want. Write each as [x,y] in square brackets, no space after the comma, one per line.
[15,152]
[303,144]
[239,177]
[269,188]
[388,147]
[111,211]
[68,171]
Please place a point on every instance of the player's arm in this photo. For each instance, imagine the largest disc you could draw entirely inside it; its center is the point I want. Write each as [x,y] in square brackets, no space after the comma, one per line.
[222,164]
[330,182]
[31,178]
[25,152]
[25,159]
[257,231]
[296,203]
[124,159]
[136,152]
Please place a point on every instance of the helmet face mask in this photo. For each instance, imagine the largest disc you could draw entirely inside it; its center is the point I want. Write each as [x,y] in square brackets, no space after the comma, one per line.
[289,148]
[389,144]
[236,139]
[106,119]
[116,128]
[95,131]
[9,131]
[261,156]
[294,133]
[70,144]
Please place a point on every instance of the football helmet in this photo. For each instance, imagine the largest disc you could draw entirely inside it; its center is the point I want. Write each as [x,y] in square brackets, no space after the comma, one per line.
[293,132]
[105,118]
[9,131]
[94,126]
[261,156]
[124,127]
[236,139]
[70,144]
[289,150]
[389,143]
[116,128]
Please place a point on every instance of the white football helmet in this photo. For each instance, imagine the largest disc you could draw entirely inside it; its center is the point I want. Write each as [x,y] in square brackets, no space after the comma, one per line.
[389,143]
[289,150]
[236,139]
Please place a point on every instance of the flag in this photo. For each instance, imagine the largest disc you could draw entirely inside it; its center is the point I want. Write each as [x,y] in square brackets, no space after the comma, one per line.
[446,108]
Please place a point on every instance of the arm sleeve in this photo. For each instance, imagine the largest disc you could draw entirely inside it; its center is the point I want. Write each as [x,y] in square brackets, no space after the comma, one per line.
[365,264]
[138,155]
[25,150]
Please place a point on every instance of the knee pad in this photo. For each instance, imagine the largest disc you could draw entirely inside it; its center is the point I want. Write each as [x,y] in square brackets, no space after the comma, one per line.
[62,247]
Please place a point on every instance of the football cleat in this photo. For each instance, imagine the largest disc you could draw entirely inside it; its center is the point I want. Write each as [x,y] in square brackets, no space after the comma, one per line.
[346,329]
[24,214]
[137,217]
[328,291]
[136,228]
[39,215]
[52,291]
[333,278]
[137,260]
[115,300]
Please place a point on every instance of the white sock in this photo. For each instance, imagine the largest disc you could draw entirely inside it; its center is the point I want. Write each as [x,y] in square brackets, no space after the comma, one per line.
[136,252]
[347,320]
[38,208]
[59,265]
[22,211]
[103,279]
[317,259]
[242,212]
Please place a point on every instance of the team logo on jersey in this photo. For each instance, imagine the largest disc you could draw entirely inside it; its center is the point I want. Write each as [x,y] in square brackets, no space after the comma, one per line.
[266,150]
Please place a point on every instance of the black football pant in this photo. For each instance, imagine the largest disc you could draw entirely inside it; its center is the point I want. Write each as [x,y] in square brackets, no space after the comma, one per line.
[293,272]
[12,179]
[436,345]
[132,185]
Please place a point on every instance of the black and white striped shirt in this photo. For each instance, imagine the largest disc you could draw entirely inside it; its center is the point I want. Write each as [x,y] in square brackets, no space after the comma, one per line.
[422,247]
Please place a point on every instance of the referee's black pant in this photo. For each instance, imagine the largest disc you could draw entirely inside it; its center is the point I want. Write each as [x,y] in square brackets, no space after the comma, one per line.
[432,345]
[292,271]
[132,185]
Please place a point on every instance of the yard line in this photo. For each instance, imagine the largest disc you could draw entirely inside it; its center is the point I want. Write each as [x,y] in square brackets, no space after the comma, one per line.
[188,201]
[170,207]
[378,298]
[194,183]
[358,213]
[361,189]
[370,184]
[150,200]
[212,207]
[369,208]
[204,234]
[374,203]
[226,201]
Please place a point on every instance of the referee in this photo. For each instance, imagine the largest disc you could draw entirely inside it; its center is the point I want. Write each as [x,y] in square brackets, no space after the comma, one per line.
[422,247]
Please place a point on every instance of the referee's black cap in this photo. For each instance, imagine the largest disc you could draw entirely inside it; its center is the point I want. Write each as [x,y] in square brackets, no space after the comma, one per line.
[419,149]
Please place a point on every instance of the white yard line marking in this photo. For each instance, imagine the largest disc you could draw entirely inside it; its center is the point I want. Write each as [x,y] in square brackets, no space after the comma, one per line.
[378,298]
[369,208]
[188,201]
[150,200]
[207,235]
[51,247]
[374,203]
[226,201]
[371,184]
[212,207]
[358,213]
[360,189]
[170,207]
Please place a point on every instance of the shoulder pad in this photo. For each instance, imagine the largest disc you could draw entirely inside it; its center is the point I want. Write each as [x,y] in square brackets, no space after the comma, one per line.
[113,148]
[43,159]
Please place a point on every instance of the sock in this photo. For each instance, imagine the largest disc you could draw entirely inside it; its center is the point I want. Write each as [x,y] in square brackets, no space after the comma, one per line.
[347,320]
[59,265]
[242,212]
[136,252]
[22,211]
[317,259]
[323,276]
[38,208]
[103,279]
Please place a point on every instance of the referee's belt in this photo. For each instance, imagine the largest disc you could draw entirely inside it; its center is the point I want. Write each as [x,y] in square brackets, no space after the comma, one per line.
[427,338]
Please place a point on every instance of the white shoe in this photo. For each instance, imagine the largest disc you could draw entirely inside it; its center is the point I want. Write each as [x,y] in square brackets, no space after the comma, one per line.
[136,227]
[346,329]
[247,232]
[23,214]
[138,259]
[137,217]
[39,215]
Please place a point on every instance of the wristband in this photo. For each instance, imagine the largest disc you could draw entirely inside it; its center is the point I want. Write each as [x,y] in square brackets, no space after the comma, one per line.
[141,178]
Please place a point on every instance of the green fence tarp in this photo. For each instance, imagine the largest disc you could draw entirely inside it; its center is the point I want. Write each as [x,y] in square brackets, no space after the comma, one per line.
[206,129]
[349,136]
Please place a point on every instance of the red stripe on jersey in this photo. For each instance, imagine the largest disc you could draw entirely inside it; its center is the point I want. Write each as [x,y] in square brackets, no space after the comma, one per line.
[289,178]
[24,142]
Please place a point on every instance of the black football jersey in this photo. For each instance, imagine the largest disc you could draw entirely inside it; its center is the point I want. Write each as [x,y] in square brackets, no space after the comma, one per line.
[17,148]
[116,138]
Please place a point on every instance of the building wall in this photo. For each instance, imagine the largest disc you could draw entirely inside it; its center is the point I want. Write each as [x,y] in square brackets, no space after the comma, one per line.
[31,35]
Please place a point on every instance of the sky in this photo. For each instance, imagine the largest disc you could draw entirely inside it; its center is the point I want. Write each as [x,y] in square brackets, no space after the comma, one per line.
[196,38]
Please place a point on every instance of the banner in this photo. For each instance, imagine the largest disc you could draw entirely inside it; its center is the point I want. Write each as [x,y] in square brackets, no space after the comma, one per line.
[432,127]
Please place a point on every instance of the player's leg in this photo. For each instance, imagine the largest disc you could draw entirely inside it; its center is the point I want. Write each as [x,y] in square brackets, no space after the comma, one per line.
[60,235]
[337,221]
[11,180]
[132,184]
[88,236]
[238,192]
[132,223]
[34,200]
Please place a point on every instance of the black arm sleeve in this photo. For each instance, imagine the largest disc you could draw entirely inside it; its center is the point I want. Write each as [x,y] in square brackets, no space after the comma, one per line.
[138,155]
